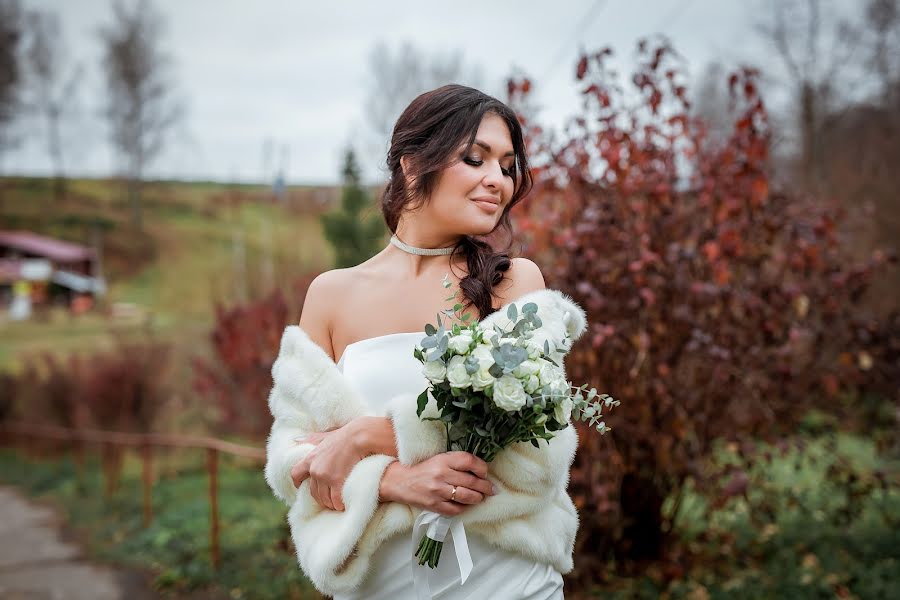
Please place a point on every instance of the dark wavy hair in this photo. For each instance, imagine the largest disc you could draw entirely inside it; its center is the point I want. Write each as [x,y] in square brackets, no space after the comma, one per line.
[429,132]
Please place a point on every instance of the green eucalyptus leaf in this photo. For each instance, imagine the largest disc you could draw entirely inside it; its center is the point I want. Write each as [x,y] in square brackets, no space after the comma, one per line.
[429,329]
[509,356]
[512,312]
[530,307]
[472,364]
[457,433]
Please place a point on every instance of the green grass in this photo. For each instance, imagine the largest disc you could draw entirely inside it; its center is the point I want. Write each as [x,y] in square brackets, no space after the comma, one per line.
[812,548]
[257,560]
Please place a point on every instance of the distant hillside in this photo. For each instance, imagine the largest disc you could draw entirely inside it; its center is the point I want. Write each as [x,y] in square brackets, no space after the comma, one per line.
[201,243]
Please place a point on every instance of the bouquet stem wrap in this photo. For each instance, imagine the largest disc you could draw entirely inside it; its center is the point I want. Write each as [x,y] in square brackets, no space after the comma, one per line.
[437,526]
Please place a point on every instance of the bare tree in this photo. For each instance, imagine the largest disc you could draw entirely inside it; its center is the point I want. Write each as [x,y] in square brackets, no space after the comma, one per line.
[50,84]
[815,59]
[10,73]
[883,21]
[711,101]
[141,106]
[397,78]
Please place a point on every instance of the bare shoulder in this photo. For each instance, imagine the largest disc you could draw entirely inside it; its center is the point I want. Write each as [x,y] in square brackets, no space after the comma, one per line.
[522,277]
[322,304]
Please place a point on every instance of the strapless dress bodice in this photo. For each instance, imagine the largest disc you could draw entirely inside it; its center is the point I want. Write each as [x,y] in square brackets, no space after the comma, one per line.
[379,368]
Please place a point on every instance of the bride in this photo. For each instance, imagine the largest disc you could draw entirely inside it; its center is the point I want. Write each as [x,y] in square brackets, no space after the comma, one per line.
[458,165]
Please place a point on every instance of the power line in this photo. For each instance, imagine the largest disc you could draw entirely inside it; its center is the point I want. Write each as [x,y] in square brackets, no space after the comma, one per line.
[580,28]
[673,14]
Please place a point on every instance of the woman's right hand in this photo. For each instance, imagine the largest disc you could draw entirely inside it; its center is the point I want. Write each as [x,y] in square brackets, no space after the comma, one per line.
[429,483]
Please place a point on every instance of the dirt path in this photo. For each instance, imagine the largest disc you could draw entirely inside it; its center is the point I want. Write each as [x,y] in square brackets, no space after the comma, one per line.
[36,563]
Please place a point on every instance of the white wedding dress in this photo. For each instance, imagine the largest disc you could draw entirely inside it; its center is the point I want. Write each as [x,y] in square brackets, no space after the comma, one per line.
[379,368]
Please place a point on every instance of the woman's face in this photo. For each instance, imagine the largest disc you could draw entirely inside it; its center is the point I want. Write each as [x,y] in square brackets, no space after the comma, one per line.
[470,195]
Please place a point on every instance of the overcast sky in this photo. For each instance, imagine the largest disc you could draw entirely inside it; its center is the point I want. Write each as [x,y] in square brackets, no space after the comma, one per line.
[295,72]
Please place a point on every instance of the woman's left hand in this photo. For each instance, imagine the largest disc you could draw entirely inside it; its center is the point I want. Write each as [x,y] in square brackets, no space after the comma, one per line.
[327,466]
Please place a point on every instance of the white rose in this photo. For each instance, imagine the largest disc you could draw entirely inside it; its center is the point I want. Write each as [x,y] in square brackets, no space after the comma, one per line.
[460,343]
[559,387]
[483,353]
[533,384]
[435,371]
[456,372]
[527,368]
[563,411]
[534,350]
[482,377]
[548,372]
[509,393]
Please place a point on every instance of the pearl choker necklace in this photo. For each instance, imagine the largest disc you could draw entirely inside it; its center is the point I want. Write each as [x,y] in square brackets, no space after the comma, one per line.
[420,251]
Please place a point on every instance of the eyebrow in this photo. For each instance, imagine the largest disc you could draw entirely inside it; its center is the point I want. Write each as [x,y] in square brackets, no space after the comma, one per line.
[488,148]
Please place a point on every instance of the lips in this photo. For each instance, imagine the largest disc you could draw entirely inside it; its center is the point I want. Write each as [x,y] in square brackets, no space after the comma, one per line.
[487,203]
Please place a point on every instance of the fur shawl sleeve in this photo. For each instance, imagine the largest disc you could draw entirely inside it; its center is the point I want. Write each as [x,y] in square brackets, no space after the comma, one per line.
[532,514]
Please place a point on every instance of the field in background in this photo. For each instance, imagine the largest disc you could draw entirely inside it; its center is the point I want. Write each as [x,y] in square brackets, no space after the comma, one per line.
[202,243]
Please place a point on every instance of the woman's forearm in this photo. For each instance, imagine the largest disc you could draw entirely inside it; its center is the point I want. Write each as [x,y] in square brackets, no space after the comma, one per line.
[375,435]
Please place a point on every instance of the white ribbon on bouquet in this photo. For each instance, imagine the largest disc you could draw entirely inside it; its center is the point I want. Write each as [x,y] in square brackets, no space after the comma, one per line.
[438,526]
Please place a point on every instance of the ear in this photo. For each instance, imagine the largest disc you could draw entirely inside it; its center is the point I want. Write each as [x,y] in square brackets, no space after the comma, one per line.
[404,164]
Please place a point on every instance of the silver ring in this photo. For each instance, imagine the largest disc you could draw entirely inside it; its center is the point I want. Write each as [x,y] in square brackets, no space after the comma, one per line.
[453,494]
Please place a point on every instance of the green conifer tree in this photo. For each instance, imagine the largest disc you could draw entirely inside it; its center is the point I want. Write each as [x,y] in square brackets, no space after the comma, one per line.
[354,235]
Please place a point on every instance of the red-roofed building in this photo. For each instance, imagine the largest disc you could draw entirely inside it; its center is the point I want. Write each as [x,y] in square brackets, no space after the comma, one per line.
[36,269]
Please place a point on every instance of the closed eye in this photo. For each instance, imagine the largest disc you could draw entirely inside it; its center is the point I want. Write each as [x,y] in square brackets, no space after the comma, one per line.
[477,163]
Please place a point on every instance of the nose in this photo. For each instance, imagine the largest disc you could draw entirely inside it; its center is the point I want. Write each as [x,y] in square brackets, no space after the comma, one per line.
[494,176]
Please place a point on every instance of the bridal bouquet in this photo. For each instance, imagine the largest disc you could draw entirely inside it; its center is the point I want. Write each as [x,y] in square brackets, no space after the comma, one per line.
[497,387]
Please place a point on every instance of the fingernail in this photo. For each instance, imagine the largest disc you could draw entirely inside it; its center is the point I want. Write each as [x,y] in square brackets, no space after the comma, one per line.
[493,489]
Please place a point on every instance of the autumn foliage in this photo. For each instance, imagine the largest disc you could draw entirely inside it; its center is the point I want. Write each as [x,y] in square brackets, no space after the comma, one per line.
[121,389]
[245,342]
[719,307]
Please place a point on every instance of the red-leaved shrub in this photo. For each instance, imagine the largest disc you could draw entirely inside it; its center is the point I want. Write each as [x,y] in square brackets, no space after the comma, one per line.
[245,343]
[718,307]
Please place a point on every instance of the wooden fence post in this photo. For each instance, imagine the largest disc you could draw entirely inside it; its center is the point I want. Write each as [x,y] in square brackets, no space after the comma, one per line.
[21,435]
[212,465]
[147,476]
[78,451]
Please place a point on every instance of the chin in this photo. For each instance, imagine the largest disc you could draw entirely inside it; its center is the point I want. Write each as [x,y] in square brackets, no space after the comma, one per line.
[479,228]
